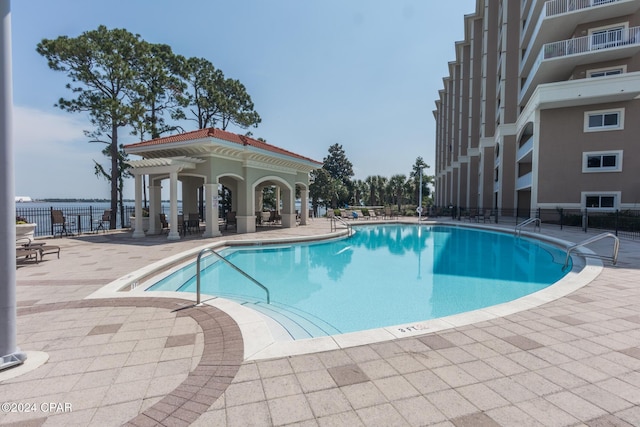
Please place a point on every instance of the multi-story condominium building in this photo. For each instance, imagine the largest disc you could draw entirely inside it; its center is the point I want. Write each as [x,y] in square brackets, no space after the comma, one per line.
[541,109]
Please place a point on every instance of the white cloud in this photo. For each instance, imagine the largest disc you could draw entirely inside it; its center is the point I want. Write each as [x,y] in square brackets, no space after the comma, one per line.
[52,156]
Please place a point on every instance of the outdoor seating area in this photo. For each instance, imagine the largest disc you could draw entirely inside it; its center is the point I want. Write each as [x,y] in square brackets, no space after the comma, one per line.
[268,218]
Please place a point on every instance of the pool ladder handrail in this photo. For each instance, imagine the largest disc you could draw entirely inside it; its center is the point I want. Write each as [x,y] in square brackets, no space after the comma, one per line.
[334,219]
[613,258]
[535,221]
[232,265]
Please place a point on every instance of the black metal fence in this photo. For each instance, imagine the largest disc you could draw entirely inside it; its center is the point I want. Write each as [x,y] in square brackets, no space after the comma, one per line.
[622,223]
[80,218]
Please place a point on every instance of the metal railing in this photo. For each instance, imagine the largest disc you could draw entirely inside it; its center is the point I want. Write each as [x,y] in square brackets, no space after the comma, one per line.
[230,264]
[622,223]
[334,226]
[535,221]
[613,258]
[620,37]
[556,7]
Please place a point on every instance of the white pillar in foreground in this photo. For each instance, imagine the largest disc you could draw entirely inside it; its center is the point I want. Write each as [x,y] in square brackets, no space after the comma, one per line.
[173,206]
[211,210]
[9,352]
[138,231]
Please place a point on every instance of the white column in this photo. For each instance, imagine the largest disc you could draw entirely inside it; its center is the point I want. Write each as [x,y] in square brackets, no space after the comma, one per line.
[154,207]
[288,214]
[9,352]
[138,232]
[304,206]
[211,210]
[173,214]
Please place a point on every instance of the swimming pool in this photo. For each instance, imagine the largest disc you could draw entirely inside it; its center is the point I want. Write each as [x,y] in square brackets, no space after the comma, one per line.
[383,275]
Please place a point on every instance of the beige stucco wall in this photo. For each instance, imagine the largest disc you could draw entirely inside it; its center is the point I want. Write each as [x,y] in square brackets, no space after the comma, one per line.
[562,141]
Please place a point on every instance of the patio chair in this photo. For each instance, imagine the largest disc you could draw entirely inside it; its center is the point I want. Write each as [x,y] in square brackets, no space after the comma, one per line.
[193,223]
[230,219]
[274,217]
[486,216]
[59,223]
[164,225]
[104,222]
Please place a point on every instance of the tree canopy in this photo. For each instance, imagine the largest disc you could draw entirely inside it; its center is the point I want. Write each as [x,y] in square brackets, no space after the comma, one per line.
[121,81]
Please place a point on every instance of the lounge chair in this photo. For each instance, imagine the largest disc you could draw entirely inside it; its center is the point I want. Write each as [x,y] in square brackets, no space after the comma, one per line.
[389,214]
[29,254]
[27,247]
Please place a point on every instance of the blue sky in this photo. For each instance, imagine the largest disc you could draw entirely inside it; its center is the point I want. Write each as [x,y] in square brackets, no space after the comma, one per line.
[361,73]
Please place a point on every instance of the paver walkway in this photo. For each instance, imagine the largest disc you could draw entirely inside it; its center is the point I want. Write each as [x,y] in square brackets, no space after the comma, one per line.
[573,361]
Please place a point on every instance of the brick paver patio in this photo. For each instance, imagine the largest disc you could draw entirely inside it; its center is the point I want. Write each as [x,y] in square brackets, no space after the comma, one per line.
[157,361]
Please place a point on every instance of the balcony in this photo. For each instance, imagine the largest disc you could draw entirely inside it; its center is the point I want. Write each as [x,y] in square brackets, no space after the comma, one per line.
[557,20]
[524,181]
[556,60]
[525,151]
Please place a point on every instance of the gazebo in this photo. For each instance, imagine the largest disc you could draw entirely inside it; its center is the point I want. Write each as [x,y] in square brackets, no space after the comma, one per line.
[206,158]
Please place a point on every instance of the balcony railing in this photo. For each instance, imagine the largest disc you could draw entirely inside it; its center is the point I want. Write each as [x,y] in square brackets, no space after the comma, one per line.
[590,43]
[581,45]
[524,181]
[556,7]
[525,148]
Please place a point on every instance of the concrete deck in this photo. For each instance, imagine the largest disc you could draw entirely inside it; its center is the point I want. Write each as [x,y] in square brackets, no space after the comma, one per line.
[143,360]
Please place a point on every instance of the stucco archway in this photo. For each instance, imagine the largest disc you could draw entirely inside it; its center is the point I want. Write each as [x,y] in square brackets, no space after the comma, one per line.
[209,157]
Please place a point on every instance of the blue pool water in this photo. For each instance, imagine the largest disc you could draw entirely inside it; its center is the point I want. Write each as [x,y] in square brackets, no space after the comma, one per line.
[384,275]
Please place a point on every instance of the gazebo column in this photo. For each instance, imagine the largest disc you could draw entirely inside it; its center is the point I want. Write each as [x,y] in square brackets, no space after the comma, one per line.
[211,210]
[304,206]
[189,195]
[259,198]
[138,232]
[155,200]
[245,216]
[173,214]
[288,214]
[277,199]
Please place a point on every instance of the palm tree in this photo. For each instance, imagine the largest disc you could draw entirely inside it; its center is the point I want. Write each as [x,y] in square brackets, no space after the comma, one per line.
[396,187]
[381,185]
[416,170]
[370,183]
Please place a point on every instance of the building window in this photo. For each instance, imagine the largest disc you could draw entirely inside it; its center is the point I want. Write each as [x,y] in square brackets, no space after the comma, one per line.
[606,72]
[602,161]
[600,201]
[595,121]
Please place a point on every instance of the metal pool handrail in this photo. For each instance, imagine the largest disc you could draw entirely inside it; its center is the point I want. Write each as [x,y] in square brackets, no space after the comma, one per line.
[337,218]
[232,265]
[613,258]
[537,222]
